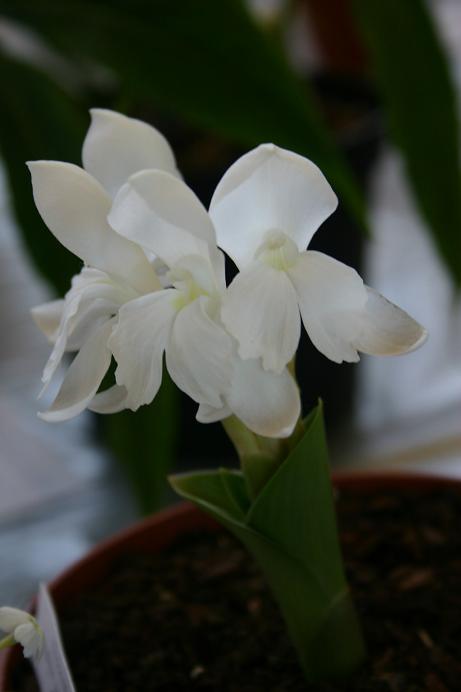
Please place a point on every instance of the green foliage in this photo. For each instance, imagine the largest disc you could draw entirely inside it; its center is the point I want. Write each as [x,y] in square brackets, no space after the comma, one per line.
[203,60]
[412,74]
[38,120]
[145,443]
[290,529]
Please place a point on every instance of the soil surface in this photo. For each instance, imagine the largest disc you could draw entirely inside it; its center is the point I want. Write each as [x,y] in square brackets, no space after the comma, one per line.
[199,617]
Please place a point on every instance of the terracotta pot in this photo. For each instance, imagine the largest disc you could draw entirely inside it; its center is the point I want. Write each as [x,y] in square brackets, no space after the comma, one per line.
[160,530]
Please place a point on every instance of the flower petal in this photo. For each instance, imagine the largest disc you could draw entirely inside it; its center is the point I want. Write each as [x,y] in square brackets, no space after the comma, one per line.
[268,403]
[75,207]
[10,618]
[269,189]
[138,343]
[163,215]
[198,355]
[115,147]
[383,329]
[31,637]
[47,318]
[208,414]
[83,377]
[330,295]
[261,310]
[111,400]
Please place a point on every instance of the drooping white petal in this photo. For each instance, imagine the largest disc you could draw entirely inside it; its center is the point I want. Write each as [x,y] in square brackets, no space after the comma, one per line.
[116,146]
[74,206]
[330,293]
[198,355]
[111,400]
[269,189]
[208,414]
[93,298]
[83,377]
[10,618]
[268,403]
[261,310]
[31,638]
[138,343]
[47,318]
[383,329]
[164,216]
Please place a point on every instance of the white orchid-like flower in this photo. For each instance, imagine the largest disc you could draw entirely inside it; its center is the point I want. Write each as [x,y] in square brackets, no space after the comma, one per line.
[161,214]
[74,203]
[266,209]
[21,628]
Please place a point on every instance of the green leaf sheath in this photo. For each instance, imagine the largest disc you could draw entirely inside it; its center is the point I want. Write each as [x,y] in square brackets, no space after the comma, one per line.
[38,120]
[412,74]
[290,529]
[205,61]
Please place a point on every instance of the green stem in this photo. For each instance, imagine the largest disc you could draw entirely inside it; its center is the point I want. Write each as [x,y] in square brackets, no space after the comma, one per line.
[7,642]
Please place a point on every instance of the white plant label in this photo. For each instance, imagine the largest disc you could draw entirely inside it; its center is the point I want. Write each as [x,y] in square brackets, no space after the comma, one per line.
[52,669]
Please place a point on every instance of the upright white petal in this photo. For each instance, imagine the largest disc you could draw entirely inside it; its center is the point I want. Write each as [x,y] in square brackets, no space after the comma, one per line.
[138,343]
[269,189]
[116,146]
[164,216]
[268,403]
[83,377]
[10,618]
[330,295]
[383,329]
[47,318]
[261,310]
[74,206]
[199,354]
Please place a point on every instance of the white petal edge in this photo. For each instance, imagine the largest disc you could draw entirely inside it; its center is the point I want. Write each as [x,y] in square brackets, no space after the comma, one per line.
[138,343]
[47,318]
[384,329]
[269,189]
[74,206]
[117,146]
[164,216]
[260,309]
[331,295]
[83,378]
[208,414]
[112,400]
[268,403]
[10,618]
[199,354]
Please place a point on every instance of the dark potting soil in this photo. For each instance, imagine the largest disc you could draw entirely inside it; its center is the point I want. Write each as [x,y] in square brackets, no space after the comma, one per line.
[199,616]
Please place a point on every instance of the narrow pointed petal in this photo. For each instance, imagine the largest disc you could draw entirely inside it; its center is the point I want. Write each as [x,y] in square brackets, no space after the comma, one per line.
[10,618]
[208,414]
[138,343]
[198,355]
[163,215]
[111,400]
[116,146]
[261,311]
[268,403]
[269,189]
[47,318]
[83,378]
[74,206]
[383,329]
[330,295]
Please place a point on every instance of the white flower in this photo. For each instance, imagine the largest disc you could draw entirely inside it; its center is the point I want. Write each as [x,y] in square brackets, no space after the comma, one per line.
[75,203]
[23,629]
[162,214]
[266,209]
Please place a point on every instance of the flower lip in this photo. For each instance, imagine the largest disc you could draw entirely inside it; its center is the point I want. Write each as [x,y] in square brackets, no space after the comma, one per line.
[277,250]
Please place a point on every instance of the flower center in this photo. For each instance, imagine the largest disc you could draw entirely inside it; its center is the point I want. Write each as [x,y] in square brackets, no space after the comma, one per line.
[277,251]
